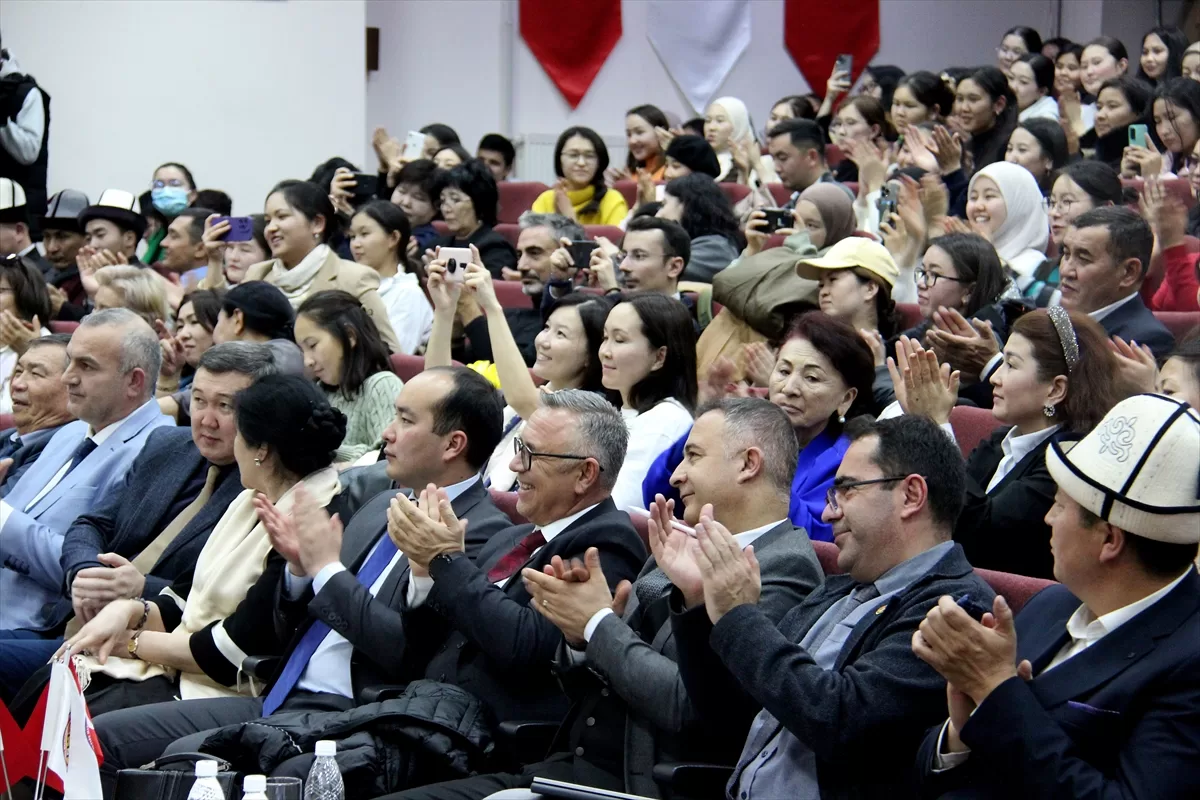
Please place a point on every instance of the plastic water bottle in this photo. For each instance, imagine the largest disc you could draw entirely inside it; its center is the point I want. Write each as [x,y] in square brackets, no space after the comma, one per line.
[324,779]
[206,786]
[254,787]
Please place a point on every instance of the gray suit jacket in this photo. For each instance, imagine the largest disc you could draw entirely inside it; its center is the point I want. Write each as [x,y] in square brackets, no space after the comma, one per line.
[24,457]
[641,679]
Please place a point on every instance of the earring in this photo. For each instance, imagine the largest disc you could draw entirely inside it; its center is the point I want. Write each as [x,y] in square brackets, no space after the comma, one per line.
[841,419]
[258,462]
[1048,410]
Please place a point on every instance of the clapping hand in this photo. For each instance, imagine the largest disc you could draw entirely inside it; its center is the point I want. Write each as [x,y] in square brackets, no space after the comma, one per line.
[426,528]
[1165,212]
[1136,366]
[760,363]
[173,358]
[570,604]
[562,201]
[674,551]
[922,386]
[729,573]
[969,346]
[974,656]
[310,539]
[16,333]
[341,189]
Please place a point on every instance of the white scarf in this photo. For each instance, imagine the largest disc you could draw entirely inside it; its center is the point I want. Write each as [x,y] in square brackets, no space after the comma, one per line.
[740,117]
[233,558]
[1021,240]
[297,281]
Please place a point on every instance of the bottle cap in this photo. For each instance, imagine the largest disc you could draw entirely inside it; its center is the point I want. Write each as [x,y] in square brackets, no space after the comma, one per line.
[326,747]
[254,783]
[206,769]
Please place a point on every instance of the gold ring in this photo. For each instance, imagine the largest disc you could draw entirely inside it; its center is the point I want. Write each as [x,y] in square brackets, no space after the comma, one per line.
[545,603]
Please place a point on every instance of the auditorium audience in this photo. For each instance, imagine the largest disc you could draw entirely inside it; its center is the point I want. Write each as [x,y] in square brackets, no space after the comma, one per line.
[920,97]
[113,227]
[580,160]
[646,161]
[113,361]
[1162,55]
[730,133]
[823,214]
[703,210]
[437,136]
[861,119]
[1190,66]
[1120,103]
[498,153]
[1102,59]
[1031,78]
[1176,118]
[837,676]
[879,82]
[1005,206]
[1068,72]
[379,234]
[822,376]
[468,199]
[16,225]
[1095,674]
[149,531]
[656,252]
[1179,376]
[416,193]
[228,261]
[39,405]
[687,154]
[300,224]
[198,314]
[1179,285]
[1018,41]
[1055,382]
[172,189]
[856,277]
[63,237]
[183,252]
[344,353]
[985,109]
[1038,145]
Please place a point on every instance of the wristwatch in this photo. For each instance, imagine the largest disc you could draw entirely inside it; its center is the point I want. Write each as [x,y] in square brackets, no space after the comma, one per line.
[132,647]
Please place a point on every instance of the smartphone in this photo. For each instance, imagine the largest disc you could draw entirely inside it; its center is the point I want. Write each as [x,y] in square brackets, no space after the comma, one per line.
[457,259]
[1137,135]
[365,184]
[778,218]
[844,63]
[241,229]
[414,145]
[886,204]
[581,252]
[660,191]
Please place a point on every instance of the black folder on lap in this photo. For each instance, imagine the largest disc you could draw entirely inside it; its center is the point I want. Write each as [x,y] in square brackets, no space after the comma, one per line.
[574,791]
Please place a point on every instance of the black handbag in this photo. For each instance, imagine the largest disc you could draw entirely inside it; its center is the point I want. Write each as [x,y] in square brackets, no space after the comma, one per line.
[171,778]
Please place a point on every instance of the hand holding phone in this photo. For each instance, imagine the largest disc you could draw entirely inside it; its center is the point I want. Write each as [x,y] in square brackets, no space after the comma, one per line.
[844,63]
[1137,135]
[777,219]
[241,229]
[414,145]
[365,185]
[581,252]
[456,260]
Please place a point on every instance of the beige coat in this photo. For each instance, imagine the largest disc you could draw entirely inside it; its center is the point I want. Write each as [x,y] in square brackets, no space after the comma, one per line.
[337,273]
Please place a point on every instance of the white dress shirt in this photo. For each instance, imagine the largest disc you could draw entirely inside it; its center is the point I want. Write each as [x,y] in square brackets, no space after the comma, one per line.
[99,437]
[408,310]
[1085,630]
[1015,448]
[1100,313]
[328,669]
[744,539]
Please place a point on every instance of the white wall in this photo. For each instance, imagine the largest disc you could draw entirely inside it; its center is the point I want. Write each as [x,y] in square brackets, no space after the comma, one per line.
[468,87]
[244,92]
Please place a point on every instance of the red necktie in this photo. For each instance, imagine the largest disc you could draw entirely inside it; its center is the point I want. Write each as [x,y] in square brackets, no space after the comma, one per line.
[512,561]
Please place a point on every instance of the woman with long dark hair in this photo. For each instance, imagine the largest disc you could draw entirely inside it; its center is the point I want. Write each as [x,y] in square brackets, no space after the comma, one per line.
[379,239]
[986,110]
[702,209]
[469,201]
[1162,55]
[580,159]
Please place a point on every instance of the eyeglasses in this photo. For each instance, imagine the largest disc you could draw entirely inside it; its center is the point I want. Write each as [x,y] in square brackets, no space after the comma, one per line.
[932,277]
[831,496]
[527,455]
[452,200]
[587,158]
[1063,205]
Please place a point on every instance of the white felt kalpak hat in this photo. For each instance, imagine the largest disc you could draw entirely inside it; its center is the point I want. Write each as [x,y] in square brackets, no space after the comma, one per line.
[1139,469]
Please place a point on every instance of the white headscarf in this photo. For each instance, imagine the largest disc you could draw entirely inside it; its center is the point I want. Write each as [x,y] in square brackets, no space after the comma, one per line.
[740,117]
[1021,241]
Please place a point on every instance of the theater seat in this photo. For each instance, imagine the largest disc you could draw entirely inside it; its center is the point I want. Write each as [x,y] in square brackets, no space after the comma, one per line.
[56,326]
[971,426]
[1017,589]
[516,197]
[1179,323]
[827,554]
[507,502]
[910,315]
[510,231]
[642,525]
[610,232]
[734,191]
[441,227]
[511,294]
[833,155]
[780,193]
[628,190]
[6,422]
[406,366]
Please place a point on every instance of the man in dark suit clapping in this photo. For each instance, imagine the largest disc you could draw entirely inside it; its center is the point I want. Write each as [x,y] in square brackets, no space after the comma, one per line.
[631,709]
[1095,690]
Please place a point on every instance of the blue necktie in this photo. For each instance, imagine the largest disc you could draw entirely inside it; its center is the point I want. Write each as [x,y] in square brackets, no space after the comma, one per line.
[368,573]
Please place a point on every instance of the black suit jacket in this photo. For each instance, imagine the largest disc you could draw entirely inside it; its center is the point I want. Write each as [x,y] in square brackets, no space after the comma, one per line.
[23,456]
[1005,529]
[127,521]
[1119,720]
[1134,321]
[487,640]
[373,624]
[865,718]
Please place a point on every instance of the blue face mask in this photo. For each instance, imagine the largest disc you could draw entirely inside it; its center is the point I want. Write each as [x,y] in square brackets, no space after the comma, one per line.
[170,200]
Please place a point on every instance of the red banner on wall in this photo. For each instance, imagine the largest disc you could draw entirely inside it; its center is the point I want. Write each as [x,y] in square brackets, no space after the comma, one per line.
[571,39]
[816,32]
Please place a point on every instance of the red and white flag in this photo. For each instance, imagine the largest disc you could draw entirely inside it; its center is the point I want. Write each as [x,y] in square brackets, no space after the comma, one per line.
[69,740]
[698,41]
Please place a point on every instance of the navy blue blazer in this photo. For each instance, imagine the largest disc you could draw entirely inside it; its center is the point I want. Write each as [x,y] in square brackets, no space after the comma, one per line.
[24,455]
[1133,321]
[1121,719]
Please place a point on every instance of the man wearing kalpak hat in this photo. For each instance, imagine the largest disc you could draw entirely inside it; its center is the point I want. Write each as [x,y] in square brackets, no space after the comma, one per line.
[16,224]
[1094,690]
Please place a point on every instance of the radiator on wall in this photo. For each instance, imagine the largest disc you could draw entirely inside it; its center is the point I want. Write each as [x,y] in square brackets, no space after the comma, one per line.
[535,156]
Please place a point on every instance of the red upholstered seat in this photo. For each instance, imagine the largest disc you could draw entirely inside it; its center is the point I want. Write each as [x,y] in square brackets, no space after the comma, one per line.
[628,190]
[507,502]
[833,155]
[827,554]
[6,422]
[406,366]
[610,232]
[734,191]
[780,193]
[510,231]
[512,295]
[971,426]
[910,315]
[1017,589]
[1179,323]
[642,525]
[516,197]
[56,326]
[441,227]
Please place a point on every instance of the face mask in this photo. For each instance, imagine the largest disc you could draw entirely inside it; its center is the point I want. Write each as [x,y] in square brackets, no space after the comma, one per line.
[170,200]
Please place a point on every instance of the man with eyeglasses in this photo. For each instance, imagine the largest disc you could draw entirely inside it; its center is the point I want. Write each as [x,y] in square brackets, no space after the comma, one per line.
[844,701]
